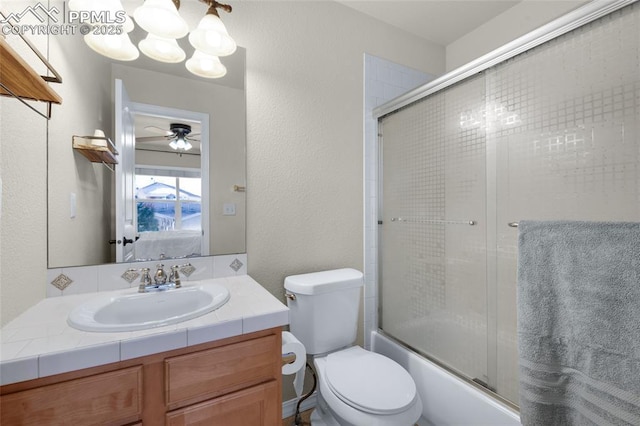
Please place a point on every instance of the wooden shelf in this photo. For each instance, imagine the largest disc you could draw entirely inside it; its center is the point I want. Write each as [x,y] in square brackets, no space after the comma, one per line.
[94,153]
[21,79]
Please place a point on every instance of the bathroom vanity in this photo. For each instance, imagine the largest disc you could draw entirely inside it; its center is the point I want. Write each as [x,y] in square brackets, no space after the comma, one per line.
[228,371]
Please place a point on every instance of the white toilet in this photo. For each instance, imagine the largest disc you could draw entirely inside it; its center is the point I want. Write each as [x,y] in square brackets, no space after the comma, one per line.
[356,387]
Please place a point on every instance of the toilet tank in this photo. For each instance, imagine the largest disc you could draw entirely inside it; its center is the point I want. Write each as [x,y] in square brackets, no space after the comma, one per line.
[324,313]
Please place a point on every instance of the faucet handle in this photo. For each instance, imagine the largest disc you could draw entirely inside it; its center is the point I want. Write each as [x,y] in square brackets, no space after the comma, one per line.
[174,277]
[145,280]
[160,276]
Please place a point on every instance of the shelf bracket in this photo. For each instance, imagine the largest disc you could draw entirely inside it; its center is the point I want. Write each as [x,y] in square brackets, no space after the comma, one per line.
[47,115]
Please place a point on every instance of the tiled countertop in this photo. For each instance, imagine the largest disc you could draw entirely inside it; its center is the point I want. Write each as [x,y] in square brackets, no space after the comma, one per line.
[39,342]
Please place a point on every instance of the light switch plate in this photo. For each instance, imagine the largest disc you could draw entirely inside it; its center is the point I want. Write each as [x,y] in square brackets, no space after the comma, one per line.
[229,209]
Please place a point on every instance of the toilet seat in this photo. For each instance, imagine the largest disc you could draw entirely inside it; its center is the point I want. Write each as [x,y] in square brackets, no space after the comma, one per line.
[369,381]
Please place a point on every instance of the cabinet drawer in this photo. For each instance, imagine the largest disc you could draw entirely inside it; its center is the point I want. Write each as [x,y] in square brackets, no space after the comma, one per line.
[206,374]
[108,398]
[255,406]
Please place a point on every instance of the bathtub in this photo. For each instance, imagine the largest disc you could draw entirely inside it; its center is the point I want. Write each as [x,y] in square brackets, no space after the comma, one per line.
[446,399]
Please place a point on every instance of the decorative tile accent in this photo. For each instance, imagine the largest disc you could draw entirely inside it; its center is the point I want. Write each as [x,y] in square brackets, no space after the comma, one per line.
[61,282]
[187,269]
[130,275]
[236,265]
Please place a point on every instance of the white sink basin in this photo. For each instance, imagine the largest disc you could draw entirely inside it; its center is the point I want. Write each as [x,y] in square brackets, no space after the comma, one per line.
[139,311]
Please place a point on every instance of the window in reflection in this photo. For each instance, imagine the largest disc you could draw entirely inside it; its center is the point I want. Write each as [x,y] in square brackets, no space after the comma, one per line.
[167,203]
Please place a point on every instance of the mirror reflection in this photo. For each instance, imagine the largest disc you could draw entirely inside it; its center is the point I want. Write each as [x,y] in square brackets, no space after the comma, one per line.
[186,202]
[168,188]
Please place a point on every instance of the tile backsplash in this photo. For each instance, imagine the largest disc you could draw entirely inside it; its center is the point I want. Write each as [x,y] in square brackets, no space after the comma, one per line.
[117,276]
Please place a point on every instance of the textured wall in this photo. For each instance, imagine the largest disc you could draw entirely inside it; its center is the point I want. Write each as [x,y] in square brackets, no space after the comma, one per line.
[86,106]
[23,167]
[305,130]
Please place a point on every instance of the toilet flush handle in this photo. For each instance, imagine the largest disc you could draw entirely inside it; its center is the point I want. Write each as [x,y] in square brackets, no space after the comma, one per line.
[290,296]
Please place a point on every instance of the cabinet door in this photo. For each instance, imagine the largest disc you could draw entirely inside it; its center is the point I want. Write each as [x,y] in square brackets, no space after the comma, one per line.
[112,398]
[255,406]
[207,374]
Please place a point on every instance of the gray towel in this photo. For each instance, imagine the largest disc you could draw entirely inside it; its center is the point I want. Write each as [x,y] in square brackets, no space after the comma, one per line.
[579,323]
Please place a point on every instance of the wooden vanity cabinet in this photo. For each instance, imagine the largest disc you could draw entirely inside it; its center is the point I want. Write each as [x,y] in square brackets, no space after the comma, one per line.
[111,398]
[235,381]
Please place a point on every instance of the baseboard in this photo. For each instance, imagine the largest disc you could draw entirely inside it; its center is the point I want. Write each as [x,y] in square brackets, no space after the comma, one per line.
[289,407]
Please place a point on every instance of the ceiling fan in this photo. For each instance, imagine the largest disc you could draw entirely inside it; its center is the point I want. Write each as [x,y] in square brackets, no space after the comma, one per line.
[179,136]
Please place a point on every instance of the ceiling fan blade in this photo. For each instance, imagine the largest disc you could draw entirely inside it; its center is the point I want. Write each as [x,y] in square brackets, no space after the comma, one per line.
[152,139]
[159,130]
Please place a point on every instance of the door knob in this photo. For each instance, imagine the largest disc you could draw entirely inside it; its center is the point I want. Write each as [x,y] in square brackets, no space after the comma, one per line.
[126,240]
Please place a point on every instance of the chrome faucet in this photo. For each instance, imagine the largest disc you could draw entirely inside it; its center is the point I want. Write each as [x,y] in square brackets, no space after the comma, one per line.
[145,280]
[160,277]
[160,280]
[174,277]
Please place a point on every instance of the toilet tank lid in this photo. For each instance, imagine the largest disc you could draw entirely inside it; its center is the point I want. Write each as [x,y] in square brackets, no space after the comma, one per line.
[324,282]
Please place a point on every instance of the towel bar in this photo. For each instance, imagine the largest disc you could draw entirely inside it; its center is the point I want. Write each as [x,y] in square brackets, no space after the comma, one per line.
[451,222]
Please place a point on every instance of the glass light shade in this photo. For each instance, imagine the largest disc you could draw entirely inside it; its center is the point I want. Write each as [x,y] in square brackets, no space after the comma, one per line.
[162,49]
[180,143]
[211,37]
[118,47]
[206,66]
[161,18]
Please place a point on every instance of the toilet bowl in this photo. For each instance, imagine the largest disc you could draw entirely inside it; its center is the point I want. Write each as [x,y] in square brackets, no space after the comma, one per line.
[356,387]
[362,388]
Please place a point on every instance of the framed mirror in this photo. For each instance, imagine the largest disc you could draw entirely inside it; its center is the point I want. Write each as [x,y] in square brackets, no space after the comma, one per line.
[82,207]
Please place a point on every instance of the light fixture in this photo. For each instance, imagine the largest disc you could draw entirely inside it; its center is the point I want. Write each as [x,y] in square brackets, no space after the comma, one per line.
[114,46]
[180,143]
[206,66]
[118,47]
[163,23]
[162,49]
[211,36]
[161,18]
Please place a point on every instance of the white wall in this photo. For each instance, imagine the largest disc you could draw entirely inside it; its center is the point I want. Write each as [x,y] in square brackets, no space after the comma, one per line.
[305,130]
[522,18]
[23,167]
[86,106]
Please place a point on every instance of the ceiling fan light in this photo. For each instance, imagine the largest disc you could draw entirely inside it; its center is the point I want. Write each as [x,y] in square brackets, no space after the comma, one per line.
[206,66]
[173,144]
[162,49]
[211,37]
[187,146]
[118,47]
[180,142]
[160,17]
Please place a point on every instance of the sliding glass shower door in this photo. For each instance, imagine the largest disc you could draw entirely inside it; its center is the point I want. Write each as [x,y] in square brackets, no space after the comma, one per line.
[434,292]
[553,133]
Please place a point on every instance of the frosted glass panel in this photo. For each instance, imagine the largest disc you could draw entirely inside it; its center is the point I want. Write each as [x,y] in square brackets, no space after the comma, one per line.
[553,133]
[433,288]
